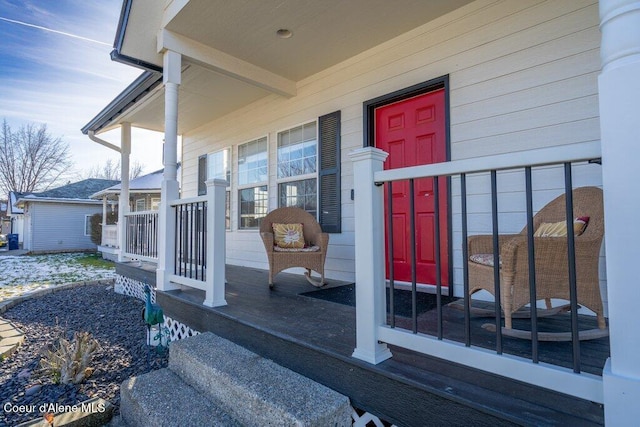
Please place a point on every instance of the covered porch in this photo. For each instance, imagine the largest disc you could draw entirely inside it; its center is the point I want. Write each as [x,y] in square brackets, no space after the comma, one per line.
[316,338]
[490,132]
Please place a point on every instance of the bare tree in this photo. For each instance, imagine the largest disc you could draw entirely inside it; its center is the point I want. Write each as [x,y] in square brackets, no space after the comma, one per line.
[31,159]
[111,170]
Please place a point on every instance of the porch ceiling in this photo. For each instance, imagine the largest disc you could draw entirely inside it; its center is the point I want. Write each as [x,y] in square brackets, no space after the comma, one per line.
[204,95]
[324,34]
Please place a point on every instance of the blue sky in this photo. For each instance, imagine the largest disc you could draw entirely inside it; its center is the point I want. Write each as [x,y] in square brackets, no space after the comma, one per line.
[55,69]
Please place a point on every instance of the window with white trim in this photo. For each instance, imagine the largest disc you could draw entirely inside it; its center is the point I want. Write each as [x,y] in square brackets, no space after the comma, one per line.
[297,167]
[253,197]
[219,167]
[141,205]
[155,203]
[87,225]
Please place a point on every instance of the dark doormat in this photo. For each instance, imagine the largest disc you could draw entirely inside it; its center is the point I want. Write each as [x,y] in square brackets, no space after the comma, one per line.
[346,295]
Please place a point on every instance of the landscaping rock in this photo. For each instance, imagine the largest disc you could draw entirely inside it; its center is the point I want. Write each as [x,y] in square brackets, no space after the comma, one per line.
[114,320]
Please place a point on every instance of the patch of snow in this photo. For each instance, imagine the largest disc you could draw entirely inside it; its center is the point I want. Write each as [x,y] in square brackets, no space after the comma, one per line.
[21,275]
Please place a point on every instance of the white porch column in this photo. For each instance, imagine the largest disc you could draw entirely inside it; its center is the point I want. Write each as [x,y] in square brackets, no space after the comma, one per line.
[216,243]
[104,210]
[369,244]
[123,200]
[104,218]
[619,91]
[169,190]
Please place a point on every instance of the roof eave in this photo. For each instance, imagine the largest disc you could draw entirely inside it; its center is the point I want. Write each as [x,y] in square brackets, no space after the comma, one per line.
[135,92]
[21,201]
[147,81]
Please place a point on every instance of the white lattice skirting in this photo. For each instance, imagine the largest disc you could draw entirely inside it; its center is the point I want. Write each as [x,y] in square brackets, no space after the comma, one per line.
[365,419]
[135,288]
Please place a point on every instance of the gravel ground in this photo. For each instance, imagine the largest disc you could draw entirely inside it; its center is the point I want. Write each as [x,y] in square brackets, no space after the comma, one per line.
[113,319]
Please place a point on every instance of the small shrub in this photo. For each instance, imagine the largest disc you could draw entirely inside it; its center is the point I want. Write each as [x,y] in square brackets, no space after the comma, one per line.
[68,362]
[96,225]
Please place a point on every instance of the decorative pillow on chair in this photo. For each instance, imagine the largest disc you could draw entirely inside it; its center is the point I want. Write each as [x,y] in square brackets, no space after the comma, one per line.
[559,229]
[484,259]
[288,235]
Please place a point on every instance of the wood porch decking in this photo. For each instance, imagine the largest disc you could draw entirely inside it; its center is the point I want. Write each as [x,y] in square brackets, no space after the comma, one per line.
[316,338]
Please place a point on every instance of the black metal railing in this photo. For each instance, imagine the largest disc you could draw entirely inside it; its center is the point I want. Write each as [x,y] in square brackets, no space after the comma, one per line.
[191,240]
[465,330]
[142,235]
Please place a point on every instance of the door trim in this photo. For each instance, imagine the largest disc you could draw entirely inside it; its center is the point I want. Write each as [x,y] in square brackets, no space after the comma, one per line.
[368,129]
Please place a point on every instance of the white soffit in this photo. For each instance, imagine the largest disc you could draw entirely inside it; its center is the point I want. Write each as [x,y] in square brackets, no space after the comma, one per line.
[145,19]
[325,32]
[204,95]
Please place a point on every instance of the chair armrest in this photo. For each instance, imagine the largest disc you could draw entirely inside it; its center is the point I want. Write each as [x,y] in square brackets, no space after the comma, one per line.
[322,240]
[480,244]
[483,243]
[267,239]
[548,250]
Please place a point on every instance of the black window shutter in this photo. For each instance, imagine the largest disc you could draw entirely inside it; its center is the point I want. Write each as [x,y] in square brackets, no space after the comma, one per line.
[330,216]
[202,175]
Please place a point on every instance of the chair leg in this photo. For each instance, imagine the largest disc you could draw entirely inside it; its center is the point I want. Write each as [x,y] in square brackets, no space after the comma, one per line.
[507,314]
[602,324]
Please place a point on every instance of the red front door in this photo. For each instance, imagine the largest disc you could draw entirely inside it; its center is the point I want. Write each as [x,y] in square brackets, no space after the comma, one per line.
[413,132]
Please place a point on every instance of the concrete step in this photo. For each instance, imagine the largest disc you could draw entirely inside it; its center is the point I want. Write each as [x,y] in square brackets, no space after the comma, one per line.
[160,398]
[254,390]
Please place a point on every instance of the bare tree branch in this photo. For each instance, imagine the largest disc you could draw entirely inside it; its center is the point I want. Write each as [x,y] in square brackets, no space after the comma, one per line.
[111,170]
[31,159]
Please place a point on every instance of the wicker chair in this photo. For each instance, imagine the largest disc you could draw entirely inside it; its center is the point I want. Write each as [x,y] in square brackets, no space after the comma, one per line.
[551,266]
[313,236]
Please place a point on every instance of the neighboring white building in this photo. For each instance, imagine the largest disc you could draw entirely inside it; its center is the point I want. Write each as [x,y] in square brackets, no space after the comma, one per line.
[143,199]
[16,216]
[58,220]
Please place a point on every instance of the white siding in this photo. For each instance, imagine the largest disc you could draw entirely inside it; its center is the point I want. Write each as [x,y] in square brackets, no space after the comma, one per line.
[522,75]
[60,226]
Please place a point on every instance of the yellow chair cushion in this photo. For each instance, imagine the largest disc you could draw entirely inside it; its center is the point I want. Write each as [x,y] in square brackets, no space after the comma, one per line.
[288,235]
[559,229]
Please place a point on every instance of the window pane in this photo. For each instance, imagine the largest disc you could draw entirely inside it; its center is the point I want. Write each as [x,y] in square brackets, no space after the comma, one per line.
[310,165]
[252,162]
[253,206]
[297,151]
[309,132]
[302,194]
[219,165]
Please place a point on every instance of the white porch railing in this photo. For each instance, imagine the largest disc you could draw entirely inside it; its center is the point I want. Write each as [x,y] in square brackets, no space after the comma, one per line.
[141,241]
[200,234]
[109,235]
[372,331]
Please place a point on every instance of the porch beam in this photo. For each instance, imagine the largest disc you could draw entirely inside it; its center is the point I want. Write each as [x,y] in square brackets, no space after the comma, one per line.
[619,97]
[172,10]
[169,189]
[123,199]
[226,64]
